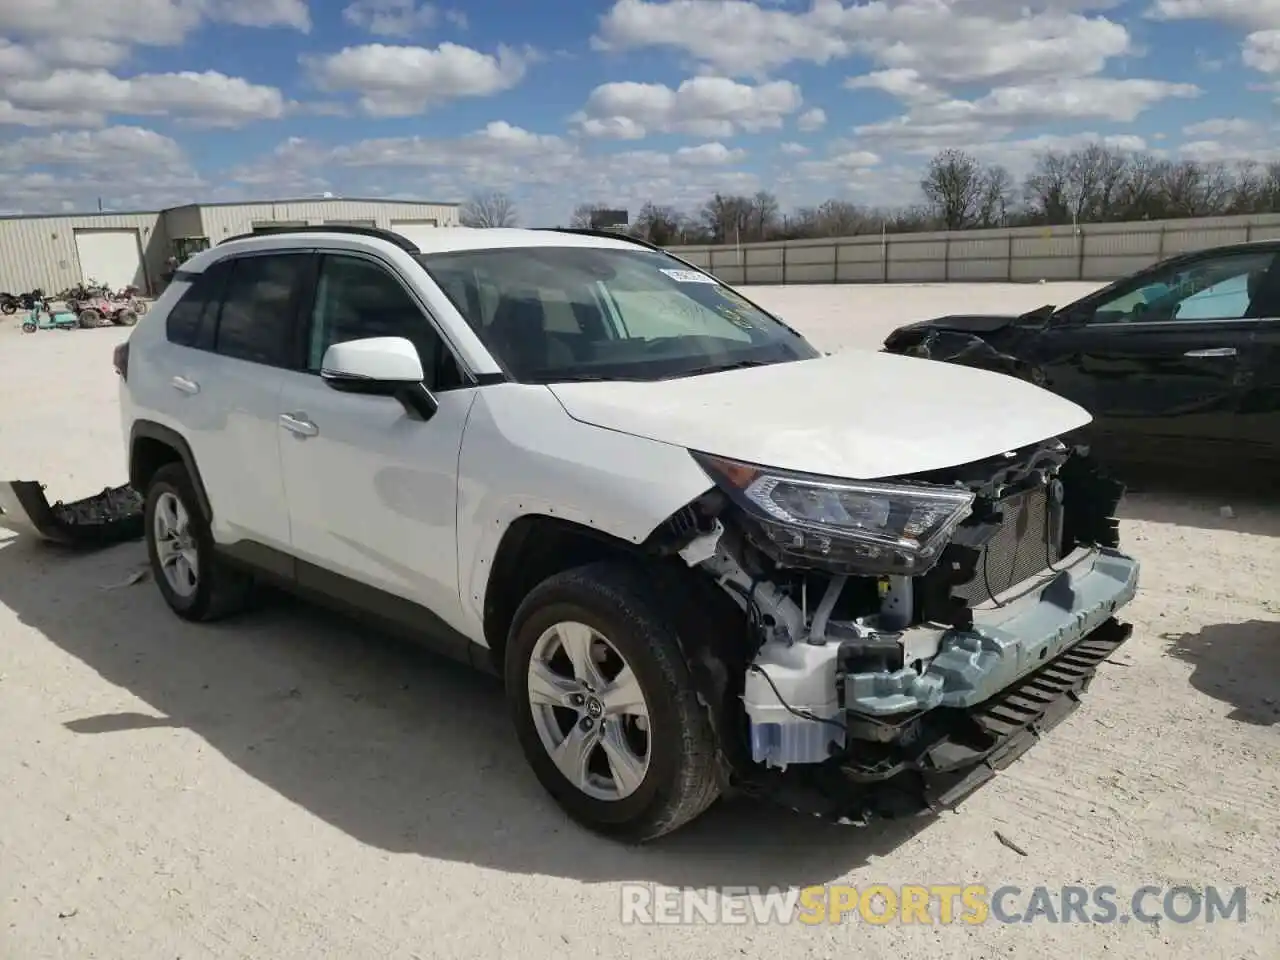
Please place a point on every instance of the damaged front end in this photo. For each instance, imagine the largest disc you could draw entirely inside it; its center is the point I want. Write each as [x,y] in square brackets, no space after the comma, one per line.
[907,638]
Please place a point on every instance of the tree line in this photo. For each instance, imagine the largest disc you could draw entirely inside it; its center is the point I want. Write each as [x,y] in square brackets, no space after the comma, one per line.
[958,191]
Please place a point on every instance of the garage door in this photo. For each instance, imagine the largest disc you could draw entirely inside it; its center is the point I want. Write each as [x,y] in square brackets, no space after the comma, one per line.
[352,223]
[113,257]
[419,231]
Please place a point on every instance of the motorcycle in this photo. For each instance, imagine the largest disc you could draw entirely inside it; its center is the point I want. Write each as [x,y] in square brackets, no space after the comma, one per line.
[11,303]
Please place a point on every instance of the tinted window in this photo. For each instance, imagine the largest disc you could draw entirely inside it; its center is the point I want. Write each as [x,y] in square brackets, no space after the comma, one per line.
[568,313]
[1227,287]
[191,321]
[356,298]
[256,320]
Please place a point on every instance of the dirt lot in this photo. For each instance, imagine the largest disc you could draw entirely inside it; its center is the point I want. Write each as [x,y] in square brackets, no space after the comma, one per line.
[286,787]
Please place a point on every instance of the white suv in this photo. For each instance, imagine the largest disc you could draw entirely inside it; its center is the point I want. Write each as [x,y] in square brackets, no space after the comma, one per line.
[702,554]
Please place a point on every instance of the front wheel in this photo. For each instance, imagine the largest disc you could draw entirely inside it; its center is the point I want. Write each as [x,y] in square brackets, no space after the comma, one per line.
[90,319]
[191,578]
[604,707]
[29,327]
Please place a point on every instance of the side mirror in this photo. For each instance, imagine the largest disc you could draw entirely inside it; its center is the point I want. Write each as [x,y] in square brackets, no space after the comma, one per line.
[380,367]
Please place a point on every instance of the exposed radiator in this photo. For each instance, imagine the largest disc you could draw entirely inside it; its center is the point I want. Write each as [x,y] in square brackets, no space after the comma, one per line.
[1029,541]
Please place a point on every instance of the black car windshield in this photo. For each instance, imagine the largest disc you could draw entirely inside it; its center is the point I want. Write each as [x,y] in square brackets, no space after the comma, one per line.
[553,314]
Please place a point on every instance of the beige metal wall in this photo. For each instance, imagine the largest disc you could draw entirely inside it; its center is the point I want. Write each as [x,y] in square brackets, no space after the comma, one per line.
[1104,251]
[41,251]
[220,222]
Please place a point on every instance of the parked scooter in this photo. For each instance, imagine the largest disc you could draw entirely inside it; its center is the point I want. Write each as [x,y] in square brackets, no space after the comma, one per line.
[56,320]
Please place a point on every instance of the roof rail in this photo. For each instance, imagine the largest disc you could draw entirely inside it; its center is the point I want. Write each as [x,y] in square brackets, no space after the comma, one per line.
[608,234]
[403,242]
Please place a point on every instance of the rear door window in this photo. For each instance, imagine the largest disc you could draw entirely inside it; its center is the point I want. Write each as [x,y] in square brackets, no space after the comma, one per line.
[257,319]
[192,319]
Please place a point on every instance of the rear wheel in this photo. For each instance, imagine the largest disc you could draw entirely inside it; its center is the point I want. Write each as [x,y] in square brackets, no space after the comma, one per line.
[90,319]
[604,706]
[125,318]
[140,308]
[192,580]
[8,308]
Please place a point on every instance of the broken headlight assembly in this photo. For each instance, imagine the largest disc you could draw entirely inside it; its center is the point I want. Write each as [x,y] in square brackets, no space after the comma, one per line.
[871,528]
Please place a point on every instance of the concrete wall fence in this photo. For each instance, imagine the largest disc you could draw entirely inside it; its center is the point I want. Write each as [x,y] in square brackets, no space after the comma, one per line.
[1089,252]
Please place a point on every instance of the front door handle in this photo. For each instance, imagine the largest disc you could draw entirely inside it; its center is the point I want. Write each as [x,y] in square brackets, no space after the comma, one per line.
[183,385]
[297,423]
[1213,352]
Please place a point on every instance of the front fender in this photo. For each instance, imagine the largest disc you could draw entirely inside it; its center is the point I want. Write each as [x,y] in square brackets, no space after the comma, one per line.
[522,454]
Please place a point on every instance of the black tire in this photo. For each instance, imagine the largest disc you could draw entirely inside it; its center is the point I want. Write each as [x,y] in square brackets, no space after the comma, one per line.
[221,591]
[29,327]
[8,308]
[125,318]
[682,779]
[89,319]
[141,308]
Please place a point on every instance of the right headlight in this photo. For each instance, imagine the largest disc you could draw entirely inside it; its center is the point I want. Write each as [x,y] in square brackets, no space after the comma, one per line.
[855,526]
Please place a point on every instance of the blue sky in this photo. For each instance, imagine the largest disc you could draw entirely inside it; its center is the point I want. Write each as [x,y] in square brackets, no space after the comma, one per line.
[146,103]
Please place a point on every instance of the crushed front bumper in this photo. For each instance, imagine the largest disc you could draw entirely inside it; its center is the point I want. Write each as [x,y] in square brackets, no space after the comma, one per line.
[939,758]
[1011,635]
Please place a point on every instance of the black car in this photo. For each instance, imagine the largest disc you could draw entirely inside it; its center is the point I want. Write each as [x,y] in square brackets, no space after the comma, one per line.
[1178,361]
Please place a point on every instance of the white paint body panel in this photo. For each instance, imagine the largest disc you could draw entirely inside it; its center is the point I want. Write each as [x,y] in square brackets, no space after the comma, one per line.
[420,509]
[419,231]
[859,414]
[113,257]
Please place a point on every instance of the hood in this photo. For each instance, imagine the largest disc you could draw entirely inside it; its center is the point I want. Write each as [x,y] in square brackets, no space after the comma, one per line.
[857,414]
[966,322]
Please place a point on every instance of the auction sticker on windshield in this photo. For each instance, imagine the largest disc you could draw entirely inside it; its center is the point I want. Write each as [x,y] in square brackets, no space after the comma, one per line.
[689,276]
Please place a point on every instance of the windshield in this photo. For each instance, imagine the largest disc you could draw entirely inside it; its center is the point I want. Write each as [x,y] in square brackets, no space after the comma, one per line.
[552,314]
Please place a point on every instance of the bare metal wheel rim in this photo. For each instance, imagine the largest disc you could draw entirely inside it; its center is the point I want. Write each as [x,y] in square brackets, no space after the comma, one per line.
[589,711]
[176,545]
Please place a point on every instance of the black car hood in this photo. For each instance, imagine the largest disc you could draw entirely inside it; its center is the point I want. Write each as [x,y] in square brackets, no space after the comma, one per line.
[967,322]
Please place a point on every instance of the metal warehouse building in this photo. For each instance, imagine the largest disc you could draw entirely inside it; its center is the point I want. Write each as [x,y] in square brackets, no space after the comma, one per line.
[58,251]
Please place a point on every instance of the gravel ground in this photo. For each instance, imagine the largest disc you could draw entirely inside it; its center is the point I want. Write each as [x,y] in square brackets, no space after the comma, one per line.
[288,787]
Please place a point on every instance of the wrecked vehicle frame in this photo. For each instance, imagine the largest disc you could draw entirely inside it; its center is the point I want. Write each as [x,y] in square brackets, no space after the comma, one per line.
[941,677]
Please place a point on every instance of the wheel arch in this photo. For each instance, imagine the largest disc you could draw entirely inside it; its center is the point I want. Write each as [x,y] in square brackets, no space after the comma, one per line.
[151,446]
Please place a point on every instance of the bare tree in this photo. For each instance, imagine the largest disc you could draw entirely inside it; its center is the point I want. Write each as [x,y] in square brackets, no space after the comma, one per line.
[956,187]
[584,215]
[494,209]
[660,225]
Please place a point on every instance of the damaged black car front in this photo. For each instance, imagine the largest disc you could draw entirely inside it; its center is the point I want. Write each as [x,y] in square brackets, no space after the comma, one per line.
[907,638]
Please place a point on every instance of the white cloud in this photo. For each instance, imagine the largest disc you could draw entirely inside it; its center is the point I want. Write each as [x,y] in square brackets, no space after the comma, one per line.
[127,167]
[391,18]
[700,106]
[401,81]
[1262,50]
[956,42]
[1221,127]
[547,174]
[209,98]
[901,82]
[709,155]
[145,22]
[1248,14]
[261,13]
[793,149]
[931,126]
[811,120]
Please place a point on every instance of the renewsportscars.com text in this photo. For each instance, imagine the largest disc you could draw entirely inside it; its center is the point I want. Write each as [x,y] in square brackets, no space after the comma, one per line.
[930,904]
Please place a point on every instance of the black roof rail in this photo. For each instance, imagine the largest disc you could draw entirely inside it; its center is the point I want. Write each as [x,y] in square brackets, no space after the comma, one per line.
[607,234]
[404,243]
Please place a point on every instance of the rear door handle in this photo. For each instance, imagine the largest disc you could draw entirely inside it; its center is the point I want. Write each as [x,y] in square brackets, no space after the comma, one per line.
[1214,352]
[297,423]
[183,385]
